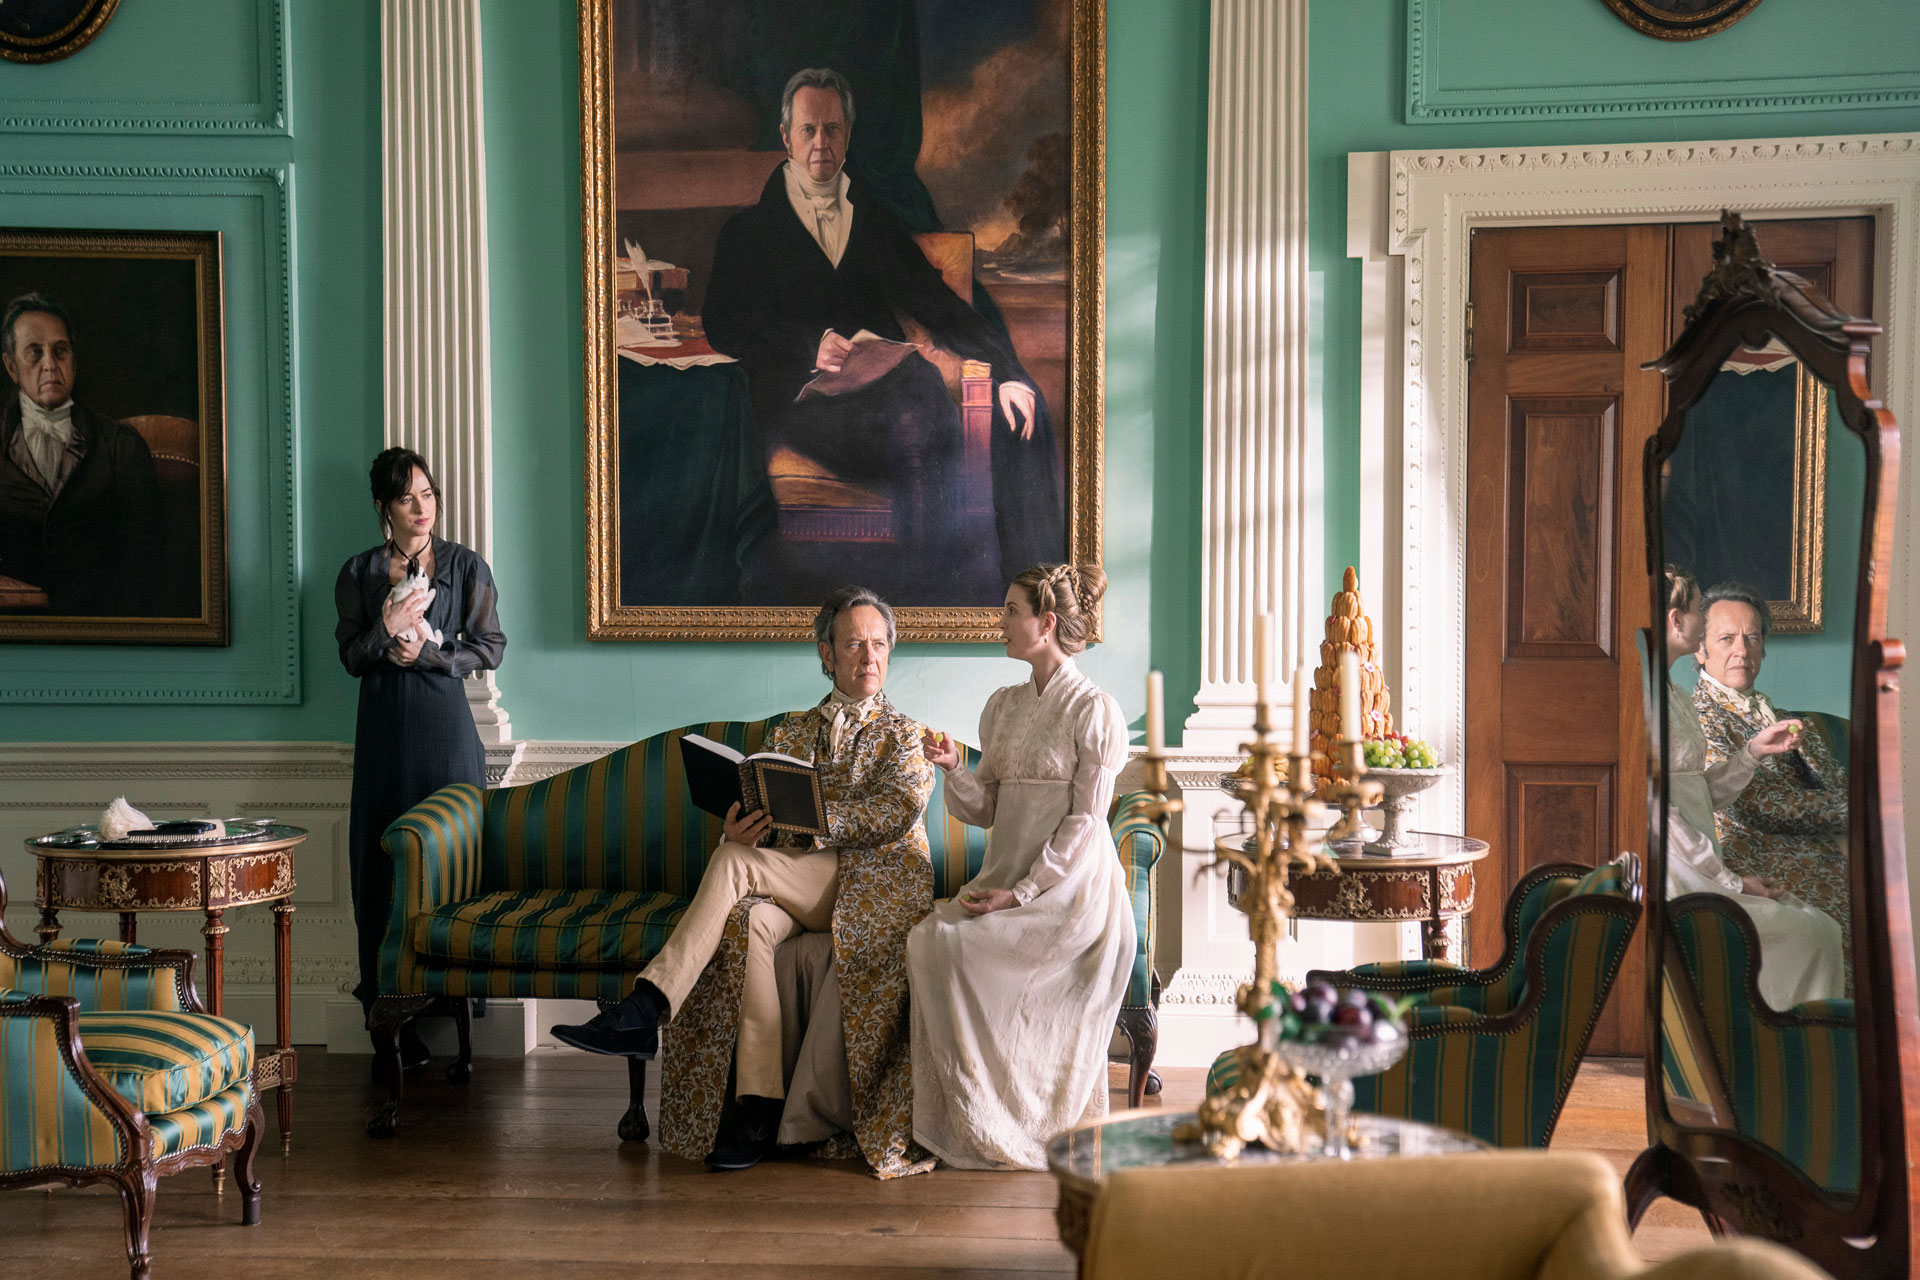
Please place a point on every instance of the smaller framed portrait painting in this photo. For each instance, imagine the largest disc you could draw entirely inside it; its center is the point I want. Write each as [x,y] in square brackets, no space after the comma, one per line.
[112,438]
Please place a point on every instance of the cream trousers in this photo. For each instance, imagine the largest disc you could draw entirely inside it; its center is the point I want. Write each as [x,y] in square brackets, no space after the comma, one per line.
[803,886]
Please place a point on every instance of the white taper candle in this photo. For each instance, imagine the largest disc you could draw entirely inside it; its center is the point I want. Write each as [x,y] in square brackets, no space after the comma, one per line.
[1302,694]
[1262,654]
[1350,695]
[1156,713]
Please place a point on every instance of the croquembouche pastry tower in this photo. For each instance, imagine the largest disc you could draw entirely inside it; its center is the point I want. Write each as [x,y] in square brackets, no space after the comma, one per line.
[1349,629]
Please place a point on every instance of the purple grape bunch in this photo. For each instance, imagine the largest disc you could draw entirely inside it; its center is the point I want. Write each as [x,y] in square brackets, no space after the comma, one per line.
[1322,1014]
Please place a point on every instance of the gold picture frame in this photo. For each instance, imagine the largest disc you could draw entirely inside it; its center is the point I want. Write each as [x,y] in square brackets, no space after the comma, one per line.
[63,36]
[154,301]
[1690,20]
[605,259]
[1803,612]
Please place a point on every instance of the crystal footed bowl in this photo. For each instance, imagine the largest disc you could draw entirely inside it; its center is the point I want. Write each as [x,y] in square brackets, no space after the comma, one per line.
[1336,1065]
[1400,786]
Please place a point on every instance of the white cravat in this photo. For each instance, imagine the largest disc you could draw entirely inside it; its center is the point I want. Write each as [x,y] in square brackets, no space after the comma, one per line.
[48,433]
[843,713]
[822,209]
[1753,706]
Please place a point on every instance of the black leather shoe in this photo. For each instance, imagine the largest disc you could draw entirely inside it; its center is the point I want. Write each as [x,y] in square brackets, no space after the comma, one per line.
[630,1029]
[747,1129]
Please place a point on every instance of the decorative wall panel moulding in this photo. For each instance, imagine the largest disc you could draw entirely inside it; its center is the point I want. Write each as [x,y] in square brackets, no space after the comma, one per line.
[116,761]
[263,663]
[265,114]
[1429,102]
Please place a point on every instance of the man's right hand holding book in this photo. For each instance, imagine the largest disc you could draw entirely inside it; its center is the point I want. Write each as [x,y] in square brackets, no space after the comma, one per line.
[750,829]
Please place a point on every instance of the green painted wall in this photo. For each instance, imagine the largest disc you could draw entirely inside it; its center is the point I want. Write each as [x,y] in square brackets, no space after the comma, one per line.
[1519,52]
[193,87]
[558,685]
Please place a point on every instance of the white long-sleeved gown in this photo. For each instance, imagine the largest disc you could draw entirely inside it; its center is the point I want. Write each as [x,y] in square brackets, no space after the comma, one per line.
[1800,956]
[1013,1011]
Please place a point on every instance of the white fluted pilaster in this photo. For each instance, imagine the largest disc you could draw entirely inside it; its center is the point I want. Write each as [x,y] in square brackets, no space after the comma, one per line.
[434,223]
[1260,507]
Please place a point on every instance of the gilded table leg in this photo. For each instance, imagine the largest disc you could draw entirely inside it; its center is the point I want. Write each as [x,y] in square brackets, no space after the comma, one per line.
[283,1012]
[1433,939]
[49,926]
[215,932]
[129,928]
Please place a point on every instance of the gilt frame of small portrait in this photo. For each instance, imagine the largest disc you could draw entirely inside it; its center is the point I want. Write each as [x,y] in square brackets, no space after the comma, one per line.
[1681,19]
[720,504]
[49,30]
[126,541]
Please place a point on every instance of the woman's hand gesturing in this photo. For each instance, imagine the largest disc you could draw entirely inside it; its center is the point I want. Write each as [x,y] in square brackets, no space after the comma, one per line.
[939,749]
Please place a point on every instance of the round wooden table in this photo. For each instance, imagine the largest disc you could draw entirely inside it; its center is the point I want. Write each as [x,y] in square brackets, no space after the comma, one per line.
[1433,885]
[1081,1158]
[79,872]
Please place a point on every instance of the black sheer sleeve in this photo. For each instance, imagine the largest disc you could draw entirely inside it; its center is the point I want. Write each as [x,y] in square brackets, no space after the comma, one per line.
[363,640]
[480,643]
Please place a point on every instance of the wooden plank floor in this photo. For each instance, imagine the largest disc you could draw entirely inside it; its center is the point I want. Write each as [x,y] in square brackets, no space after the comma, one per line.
[520,1174]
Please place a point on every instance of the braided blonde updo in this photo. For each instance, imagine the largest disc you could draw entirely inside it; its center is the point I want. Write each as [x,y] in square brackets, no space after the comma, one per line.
[1071,593]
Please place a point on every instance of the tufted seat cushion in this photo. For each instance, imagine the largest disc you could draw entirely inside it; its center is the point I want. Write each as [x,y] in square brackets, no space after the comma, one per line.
[167,1061]
[550,929]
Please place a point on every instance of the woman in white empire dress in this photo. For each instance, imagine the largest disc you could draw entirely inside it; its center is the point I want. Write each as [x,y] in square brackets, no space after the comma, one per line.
[1800,955]
[1016,981]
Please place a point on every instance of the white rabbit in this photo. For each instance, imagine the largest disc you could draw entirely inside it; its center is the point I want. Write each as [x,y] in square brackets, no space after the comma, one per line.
[408,585]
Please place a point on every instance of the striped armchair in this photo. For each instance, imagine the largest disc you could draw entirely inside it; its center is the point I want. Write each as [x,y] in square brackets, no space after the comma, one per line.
[1493,1051]
[1789,1080]
[111,1070]
[568,886]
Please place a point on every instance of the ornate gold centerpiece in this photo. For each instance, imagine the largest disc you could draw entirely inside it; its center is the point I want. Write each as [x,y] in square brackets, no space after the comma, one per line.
[1271,1103]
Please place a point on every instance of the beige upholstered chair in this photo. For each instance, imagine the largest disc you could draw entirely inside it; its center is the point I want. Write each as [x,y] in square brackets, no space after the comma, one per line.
[1503,1215]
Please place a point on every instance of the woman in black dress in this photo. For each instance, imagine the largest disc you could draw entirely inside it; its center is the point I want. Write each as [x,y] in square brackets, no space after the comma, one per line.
[414,733]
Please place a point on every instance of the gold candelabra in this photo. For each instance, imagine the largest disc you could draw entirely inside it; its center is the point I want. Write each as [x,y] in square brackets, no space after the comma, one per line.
[1271,1102]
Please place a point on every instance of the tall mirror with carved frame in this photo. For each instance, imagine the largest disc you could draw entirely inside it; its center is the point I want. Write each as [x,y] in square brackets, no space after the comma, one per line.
[1782,1044]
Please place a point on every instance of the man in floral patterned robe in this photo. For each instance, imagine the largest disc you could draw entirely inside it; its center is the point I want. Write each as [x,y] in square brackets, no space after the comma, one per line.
[1790,823]
[867,884]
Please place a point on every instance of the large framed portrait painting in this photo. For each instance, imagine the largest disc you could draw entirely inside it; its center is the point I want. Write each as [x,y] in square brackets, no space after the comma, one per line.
[112,446]
[842,307]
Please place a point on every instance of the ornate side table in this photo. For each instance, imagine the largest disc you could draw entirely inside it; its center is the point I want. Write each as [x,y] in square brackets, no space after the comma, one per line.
[1081,1159]
[1433,885]
[78,871]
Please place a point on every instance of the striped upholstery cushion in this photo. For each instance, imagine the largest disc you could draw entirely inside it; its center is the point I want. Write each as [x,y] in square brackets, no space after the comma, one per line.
[165,1061]
[622,822]
[46,1120]
[202,1124]
[550,929]
[1506,1087]
[445,979]
[62,969]
[958,850]
[1793,1078]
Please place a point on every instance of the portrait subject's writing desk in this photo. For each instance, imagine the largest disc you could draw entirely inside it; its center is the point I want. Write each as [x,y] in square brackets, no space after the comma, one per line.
[1433,886]
[76,871]
[1082,1158]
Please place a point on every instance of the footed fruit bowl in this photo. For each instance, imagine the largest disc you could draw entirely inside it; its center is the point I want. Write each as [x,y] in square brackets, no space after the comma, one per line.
[1400,786]
[1336,1036]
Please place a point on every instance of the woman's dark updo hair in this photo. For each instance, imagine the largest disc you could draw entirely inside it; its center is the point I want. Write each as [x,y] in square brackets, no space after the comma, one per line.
[1070,592]
[392,476]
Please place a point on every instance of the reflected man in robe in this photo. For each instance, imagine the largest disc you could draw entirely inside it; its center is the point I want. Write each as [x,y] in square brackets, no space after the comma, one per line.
[1789,824]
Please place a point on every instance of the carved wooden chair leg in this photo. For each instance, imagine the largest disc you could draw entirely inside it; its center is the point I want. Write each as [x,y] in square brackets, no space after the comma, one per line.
[384,1022]
[137,1188]
[633,1125]
[460,1070]
[243,1165]
[1140,1026]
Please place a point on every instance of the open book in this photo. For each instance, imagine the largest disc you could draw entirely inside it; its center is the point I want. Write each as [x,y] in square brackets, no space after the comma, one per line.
[718,777]
[872,358]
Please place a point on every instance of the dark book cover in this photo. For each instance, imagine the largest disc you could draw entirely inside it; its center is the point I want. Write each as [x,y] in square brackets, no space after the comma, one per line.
[718,777]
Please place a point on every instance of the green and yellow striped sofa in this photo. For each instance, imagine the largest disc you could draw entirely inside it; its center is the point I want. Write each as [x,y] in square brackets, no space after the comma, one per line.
[1493,1051]
[568,886]
[1788,1079]
[111,1070]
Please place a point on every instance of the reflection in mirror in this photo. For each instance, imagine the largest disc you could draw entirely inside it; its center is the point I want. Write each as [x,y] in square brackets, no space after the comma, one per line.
[1760,517]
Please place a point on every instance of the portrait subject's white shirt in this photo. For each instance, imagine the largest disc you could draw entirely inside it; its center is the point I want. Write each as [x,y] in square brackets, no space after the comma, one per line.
[822,209]
[48,434]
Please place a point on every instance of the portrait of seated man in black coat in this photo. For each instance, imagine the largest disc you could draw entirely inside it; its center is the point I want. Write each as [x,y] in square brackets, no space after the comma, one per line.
[814,264]
[80,505]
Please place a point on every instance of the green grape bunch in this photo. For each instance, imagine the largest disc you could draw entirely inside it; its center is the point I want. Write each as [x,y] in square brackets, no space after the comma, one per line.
[1398,751]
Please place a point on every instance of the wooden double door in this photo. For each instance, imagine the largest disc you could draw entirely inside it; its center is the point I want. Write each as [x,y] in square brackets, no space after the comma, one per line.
[1559,411]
